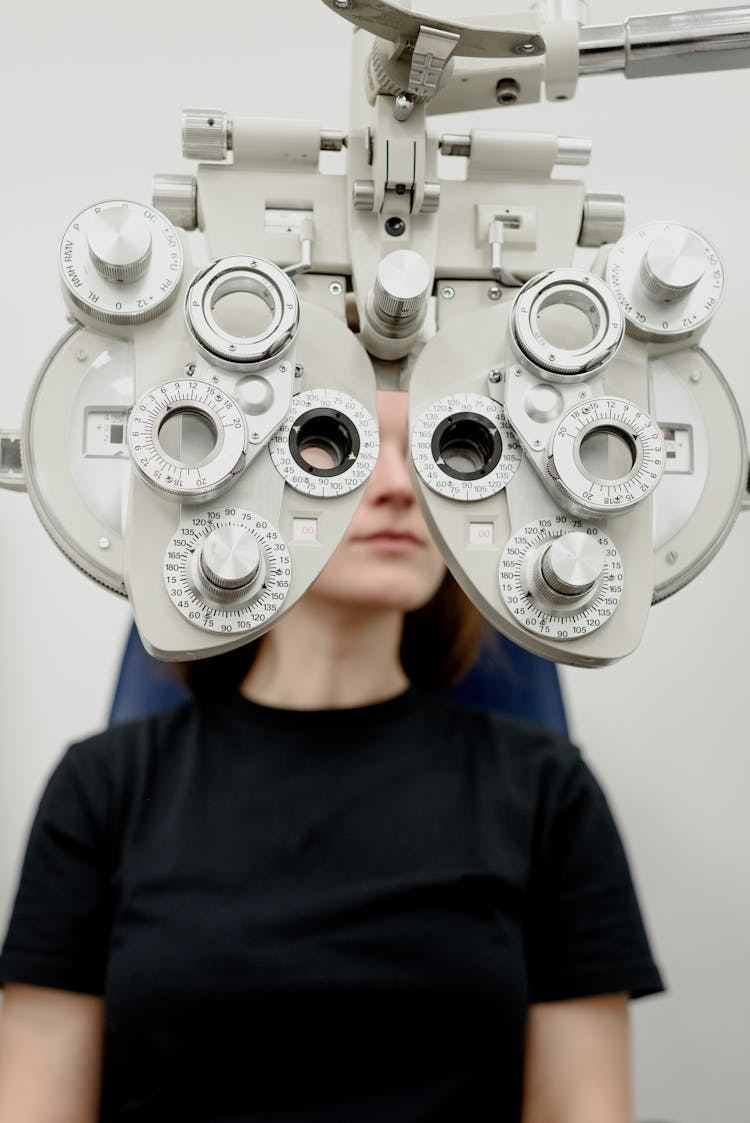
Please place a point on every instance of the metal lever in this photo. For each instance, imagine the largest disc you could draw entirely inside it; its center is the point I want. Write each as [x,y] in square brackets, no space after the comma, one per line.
[674,43]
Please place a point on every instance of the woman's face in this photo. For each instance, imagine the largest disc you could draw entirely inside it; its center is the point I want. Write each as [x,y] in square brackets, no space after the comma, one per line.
[386,558]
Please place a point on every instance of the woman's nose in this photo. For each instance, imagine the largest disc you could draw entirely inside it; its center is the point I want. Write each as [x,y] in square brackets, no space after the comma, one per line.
[390,480]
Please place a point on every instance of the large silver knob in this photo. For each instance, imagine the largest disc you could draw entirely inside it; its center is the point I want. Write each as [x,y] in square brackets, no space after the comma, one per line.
[119,244]
[230,561]
[402,285]
[569,567]
[673,264]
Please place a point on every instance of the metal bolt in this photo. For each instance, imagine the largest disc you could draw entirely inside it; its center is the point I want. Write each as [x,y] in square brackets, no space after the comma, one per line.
[104,543]
[283,368]
[254,436]
[695,376]
[81,356]
[335,288]
[342,5]
[403,104]
[520,48]
[495,292]
[517,372]
[232,347]
[582,393]
[299,370]
[495,375]
[672,557]
[395,226]
[448,292]
[215,378]
[537,443]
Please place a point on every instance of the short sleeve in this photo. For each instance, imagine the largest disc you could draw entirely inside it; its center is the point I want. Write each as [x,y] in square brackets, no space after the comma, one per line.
[585,932]
[59,925]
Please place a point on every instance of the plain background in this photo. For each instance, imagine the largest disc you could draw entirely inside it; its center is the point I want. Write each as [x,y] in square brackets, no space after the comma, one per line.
[91,98]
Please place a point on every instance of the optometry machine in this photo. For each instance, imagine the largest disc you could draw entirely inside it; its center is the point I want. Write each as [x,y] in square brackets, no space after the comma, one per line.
[199,439]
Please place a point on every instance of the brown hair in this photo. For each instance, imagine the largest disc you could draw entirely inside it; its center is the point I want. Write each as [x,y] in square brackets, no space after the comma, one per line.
[440,642]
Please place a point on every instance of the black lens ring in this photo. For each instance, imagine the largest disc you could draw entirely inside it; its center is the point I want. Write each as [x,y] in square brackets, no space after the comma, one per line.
[332,425]
[488,433]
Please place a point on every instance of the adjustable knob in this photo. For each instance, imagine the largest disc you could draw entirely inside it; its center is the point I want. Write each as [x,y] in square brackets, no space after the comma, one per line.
[401,288]
[673,264]
[206,134]
[230,562]
[568,569]
[119,244]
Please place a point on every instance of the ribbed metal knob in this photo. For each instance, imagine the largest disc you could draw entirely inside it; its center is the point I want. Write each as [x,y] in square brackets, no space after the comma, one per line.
[176,196]
[603,220]
[119,244]
[206,134]
[673,264]
[230,560]
[401,287]
[571,566]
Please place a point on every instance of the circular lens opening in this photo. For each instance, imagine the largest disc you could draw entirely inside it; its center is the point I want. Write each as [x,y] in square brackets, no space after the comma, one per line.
[607,453]
[324,442]
[466,446]
[243,314]
[568,324]
[188,436]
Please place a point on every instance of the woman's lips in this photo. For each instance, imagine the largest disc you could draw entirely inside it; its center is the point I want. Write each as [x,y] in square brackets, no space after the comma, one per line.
[392,541]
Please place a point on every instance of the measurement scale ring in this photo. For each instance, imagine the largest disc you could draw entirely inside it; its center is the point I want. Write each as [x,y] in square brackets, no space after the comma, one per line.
[216,412]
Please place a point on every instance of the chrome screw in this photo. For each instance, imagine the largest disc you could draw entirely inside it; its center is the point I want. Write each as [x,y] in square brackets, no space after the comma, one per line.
[335,288]
[495,376]
[448,292]
[81,356]
[495,292]
[104,543]
[299,370]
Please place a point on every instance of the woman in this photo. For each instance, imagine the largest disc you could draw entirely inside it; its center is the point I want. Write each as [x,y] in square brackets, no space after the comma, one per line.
[328,895]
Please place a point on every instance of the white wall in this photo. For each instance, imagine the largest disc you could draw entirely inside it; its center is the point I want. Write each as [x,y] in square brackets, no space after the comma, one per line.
[90,109]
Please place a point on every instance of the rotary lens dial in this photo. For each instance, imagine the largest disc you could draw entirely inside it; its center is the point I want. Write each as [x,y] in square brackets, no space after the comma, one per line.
[561,578]
[327,444]
[668,280]
[464,448]
[120,262]
[605,456]
[228,571]
[187,439]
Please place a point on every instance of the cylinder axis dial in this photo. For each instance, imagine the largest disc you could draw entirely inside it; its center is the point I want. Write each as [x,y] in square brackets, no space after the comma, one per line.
[464,448]
[228,572]
[668,280]
[562,578]
[187,439]
[120,262]
[605,456]
[327,444]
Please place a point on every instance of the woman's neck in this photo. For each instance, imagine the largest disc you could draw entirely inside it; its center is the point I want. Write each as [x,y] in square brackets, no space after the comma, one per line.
[319,656]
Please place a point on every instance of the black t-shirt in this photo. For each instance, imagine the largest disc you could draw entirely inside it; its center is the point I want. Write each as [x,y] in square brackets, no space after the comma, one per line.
[325,916]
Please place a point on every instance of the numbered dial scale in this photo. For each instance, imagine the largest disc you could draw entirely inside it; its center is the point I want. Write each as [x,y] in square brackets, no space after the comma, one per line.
[464,448]
[668,280]
[327,444]
[195,401]
[561,578]
[120,262]
[605,456]
[228,571]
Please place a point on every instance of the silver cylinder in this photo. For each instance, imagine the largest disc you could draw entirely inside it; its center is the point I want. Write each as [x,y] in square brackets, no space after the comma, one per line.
[603,220]
[176,196]
[673,43]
